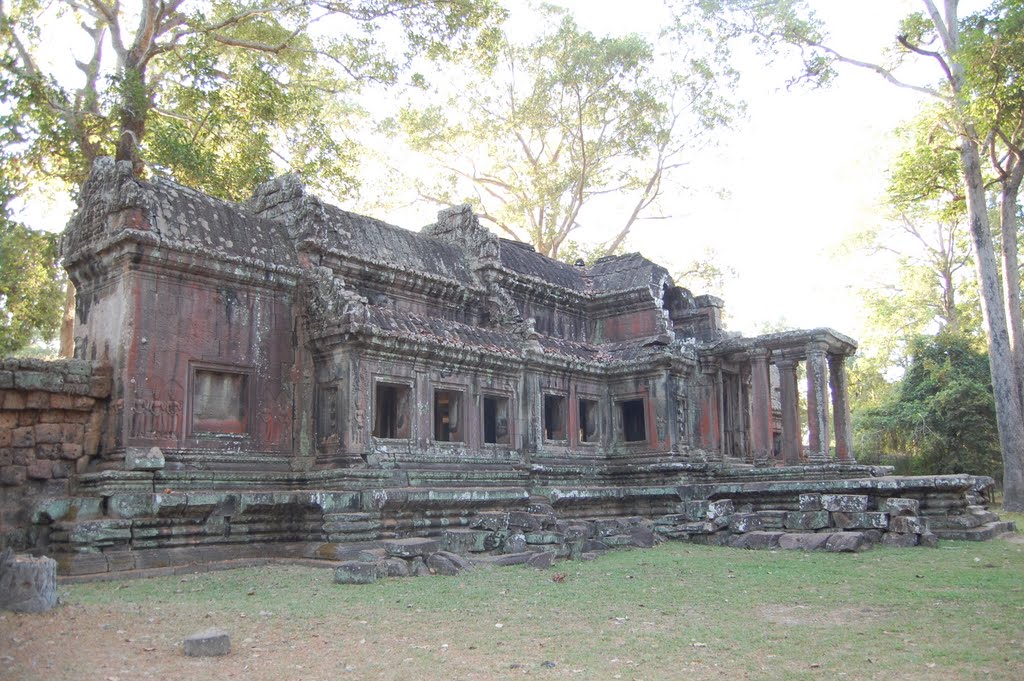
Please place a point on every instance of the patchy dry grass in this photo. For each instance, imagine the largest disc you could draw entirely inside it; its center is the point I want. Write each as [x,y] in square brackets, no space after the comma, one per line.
[677,611]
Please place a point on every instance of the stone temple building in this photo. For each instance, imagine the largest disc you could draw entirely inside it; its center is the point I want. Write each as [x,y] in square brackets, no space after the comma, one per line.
[284,378]
[287,334]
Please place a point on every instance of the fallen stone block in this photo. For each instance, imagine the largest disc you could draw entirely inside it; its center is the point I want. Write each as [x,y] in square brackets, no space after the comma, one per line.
[411,547]
[447,563]
[756,540]
[847,503]
[860,520]
[504,559]
[803,541]
[515,543]
[899,506]
[356,572]
[521,520]
[395,567]
[542,560]
[908,525]
[806,520]
[928,540]
[900,541]
[418,567]
[208,643]
[27,583]
[847,542]
[143,459]
[467,541]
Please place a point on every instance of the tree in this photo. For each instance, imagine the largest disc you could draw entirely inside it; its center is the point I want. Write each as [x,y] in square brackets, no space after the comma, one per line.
[978,60]
[219,95]
[31,286]
[941,413]
[540,133]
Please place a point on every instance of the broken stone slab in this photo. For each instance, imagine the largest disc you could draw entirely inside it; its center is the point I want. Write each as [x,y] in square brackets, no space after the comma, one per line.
[745,522]
[807,520]
[897,506]
[522,520]
[504,559]
[515,543]
[908,525]
[468,541]
[448,563]
[143,459]
[847,503]
[642,537]
[804,541]
[27,583]
[207,643]
[418,567]
[356,572]
[411,547]
[847,542]
[756,540]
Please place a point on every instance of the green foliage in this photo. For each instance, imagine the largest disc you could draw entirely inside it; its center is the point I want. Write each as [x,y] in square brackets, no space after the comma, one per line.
[941,414]
[539,132]
[31,287]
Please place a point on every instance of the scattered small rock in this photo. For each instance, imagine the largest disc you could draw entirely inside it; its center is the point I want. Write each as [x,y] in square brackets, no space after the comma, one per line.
[208,643]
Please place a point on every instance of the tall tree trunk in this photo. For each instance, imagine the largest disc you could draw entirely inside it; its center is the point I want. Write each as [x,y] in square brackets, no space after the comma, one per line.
[1001,360]
[132,117]
[1011,270]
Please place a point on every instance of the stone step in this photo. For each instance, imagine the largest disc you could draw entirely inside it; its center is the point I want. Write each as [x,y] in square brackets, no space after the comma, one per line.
[983,533]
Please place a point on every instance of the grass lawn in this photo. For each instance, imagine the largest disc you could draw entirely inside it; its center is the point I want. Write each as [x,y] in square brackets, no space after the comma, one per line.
[678,611]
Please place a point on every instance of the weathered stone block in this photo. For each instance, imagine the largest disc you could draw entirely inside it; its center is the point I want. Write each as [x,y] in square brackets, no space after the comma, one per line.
[13,400]
[36,400]
[515,543]
[542,560]
[720,509]
[23,437]
[900,541]
[847,542]
[208,643]
[928,540]
[13,475]
[544,538]
[521,520]
[356,572]
[143,459]
[807,520]
[489,521]
[756,540]
[395,567]
[411,547]
[70,452]
[897,506]
[46,433]
[694,510]
[27,584]
[131,505]
[447,563]
[804,541]
[846,503]
[642,537]
[745,522]
[908,525]
[467,541]
[810,502]
[6,437]
[40,470]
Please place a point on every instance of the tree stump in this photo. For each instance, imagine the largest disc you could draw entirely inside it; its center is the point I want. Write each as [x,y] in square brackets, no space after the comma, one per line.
[27,584]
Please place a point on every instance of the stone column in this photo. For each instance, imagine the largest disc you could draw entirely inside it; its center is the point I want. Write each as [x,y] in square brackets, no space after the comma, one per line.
[840,407]
[817,403]
[760,407]
[709,415]
[790,410]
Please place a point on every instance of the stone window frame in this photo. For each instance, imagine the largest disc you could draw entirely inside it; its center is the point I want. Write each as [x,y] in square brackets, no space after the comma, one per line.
[619,434]
[464,410]
[247,372]
[564,396]
[397,382]
[508,397]
[598,411]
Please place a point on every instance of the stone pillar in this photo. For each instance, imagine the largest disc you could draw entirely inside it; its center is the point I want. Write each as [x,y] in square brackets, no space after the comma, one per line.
[709,414]
[760,407]
[790,410]
[840,408]
[817,403]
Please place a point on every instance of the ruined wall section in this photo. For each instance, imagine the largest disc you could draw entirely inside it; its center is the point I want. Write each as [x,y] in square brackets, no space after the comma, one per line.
[51,417]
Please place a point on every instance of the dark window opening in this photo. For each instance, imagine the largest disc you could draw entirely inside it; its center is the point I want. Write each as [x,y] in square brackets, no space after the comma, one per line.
[220,402]
[447,412]
[588,421]
[554,417]
[634,426]
[391,415]
[496,420]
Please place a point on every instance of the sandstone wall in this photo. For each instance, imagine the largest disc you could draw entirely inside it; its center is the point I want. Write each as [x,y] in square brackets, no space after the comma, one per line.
[51,415]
